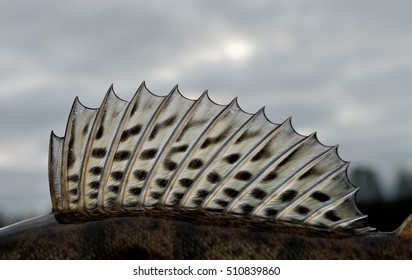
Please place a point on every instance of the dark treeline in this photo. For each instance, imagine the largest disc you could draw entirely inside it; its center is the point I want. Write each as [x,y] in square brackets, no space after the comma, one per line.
[385,211]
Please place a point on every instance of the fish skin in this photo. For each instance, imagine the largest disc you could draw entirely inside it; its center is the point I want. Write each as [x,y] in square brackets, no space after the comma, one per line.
[166,235]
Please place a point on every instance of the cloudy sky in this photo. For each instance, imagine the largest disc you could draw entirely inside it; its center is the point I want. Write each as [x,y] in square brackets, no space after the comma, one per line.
[341,68]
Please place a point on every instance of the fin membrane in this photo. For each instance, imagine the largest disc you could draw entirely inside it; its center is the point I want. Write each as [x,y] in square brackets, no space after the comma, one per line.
[177,153]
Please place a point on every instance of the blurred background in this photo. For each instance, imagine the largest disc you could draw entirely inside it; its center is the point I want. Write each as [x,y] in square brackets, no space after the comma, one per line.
[341,68]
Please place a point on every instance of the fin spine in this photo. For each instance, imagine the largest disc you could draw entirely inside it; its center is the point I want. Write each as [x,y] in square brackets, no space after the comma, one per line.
[315,185]
[271,165]
[114,147]
[330,205]
[221,151]
[175,134]
[195,146]
[139,146]
[243,161]
[55,183]
[92,135]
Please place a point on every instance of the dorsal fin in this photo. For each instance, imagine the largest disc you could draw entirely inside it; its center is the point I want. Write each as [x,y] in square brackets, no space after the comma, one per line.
[405,230]
[176,153]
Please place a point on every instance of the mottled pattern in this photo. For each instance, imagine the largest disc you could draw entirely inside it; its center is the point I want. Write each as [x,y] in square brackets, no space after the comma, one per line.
[178,153]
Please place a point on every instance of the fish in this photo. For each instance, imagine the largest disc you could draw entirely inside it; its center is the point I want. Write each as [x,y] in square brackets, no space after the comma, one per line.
[168,177]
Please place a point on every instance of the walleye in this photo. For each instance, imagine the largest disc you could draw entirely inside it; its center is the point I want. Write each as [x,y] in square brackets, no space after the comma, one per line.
[174,178]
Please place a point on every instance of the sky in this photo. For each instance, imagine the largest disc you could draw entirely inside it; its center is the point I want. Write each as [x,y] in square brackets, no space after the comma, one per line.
[341,68]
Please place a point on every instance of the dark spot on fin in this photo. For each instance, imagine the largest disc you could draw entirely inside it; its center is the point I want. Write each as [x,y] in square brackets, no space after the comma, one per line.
[206,143]
[122,155]
[195,163]
[169,164]
[232,158]
[178,195]
[247,135]
[94,185]
[179,149]
[71,142]
[93,195]
[135,191]
[135,130]
[270,176]
[140,174]
[168,122]
[222,203]
[262,154]
[85,129]
[331,215]
[114,188]
[271,212]
[320,196]
[99,152]
[186,182]
[156,195]
[161,182]
[308,173]
[302,210]
[258,194]
[213,177]
[148,154]
[202,193]
[197,202]
[133,109]
[74,178]
[154,132]
[125,135]
[288,195]
[99,133]
[246,208]
[97,170]
[243,175]
[213,140]
[231,192]
[117,175]
[70,159]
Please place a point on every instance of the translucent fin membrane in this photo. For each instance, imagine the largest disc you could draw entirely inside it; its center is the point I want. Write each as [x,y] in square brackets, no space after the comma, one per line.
[176,153]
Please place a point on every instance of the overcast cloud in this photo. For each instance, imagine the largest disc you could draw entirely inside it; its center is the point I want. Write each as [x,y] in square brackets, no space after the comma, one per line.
[341,68]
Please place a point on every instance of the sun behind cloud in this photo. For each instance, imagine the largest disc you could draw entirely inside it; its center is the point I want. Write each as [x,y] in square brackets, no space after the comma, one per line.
[238,50]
